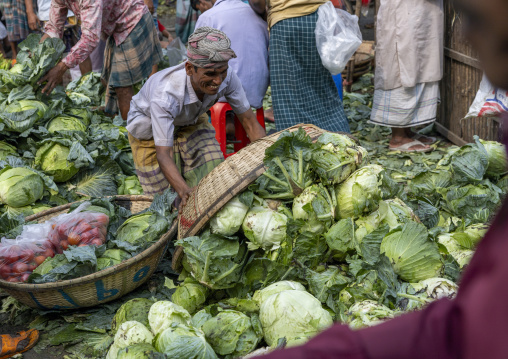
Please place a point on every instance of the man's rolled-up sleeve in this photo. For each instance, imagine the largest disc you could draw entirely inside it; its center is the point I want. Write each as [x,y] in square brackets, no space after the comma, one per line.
[91,25]
[235,95]
[163,125]
[57,16]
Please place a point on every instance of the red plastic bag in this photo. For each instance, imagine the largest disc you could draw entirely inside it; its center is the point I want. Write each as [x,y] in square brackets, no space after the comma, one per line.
[79,229]
[18,257]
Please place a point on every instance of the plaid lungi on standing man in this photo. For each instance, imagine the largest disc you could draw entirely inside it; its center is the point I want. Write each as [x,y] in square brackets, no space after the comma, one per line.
[16,19]
[131,62]
[303,90]
[196,153]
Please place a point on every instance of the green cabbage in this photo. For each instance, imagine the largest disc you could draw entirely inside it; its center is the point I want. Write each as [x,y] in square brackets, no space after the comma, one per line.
[130,186]
[229,219]
[190,295]
[474,202]
[140,351]
[261,295]
[215,261]
[469,163]
[496,154]
[141,231]
[83,114]
[338,157]
[179,341]
[6,150]
[128,334]
[231,333]
[292,314]
[133,310]
[164,313]
[264,227]
[22,115]
[20,186]
[112,257]
[52,159]
[66,123]
[362,191]
[413,255]
[316,207]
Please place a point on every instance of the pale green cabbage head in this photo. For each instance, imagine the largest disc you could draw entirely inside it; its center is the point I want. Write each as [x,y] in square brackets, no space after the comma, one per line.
[261,295]
[128,334]
[20,187]
[180,341]
[265,228]
[112,257]
[140,351]
[52,159]
[413,255]
[360,193]
[230,218]
[231,333]
[292,314]
[133,310]
[304,209]
[164,313]
[66,123]
[190,295]
[6,150]
[496,154]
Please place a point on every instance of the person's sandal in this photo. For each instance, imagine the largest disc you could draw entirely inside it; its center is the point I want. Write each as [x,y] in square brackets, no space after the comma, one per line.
[418,137]
[12,345]
[407,147]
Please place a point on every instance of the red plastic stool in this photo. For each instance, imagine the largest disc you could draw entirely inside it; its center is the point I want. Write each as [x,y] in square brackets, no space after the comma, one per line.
[218,112]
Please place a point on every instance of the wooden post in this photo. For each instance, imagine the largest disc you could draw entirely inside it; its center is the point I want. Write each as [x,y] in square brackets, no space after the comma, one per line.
[358,11]
[349,8]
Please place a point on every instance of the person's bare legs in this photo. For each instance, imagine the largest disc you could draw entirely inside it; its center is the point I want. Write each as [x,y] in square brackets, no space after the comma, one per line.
[400,137]
[154,69]
[14,48]
[86,66]
[124,95]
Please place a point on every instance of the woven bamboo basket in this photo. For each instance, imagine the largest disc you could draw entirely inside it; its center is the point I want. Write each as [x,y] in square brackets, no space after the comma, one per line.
[97,288]
[228,179]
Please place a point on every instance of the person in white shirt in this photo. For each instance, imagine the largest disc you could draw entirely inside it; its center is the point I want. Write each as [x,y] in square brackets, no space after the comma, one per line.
[249,40]
[173,143]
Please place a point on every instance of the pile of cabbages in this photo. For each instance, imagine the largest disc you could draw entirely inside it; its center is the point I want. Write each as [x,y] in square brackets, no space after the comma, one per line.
[321,237]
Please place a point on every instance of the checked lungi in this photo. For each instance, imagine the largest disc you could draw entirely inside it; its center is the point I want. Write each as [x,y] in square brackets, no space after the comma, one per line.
[196,153]
[15,19]
[131,62]
[303,90]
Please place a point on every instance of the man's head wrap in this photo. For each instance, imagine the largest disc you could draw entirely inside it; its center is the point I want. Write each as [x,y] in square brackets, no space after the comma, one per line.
[209,48]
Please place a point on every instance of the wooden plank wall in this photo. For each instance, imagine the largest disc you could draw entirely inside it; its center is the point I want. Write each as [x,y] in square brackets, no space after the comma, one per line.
[462,77]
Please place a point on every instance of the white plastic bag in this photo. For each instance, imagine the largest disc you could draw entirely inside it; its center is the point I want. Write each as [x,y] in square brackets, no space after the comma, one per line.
[176,52]
[338,36]
[489,101]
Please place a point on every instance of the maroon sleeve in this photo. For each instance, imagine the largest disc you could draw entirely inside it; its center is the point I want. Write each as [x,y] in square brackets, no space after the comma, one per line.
[338,342]
[474,325]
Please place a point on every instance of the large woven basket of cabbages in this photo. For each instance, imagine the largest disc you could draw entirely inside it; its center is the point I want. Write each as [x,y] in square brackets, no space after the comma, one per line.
[87,253]
[226,181]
